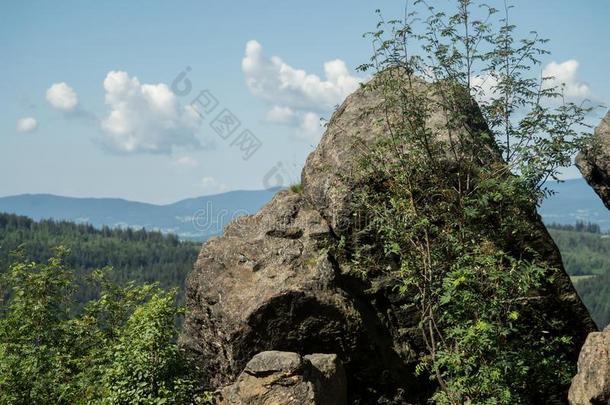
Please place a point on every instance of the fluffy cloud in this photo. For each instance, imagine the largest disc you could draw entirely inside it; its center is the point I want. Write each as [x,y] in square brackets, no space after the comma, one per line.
[311,128]
[566,74]
[274,80]
[26,124]
[280,115]
[296,96]
[62,97]
[145,118]
[484,87]
[563,75]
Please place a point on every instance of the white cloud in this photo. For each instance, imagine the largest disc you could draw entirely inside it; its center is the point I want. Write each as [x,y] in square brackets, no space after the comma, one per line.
[566,74]
[26,124]
[145,118]
[484,87]
[62,97]
[186,161]
[211,184]
[562,75]
[280,115]
[276,81]
[311,128]
[296,96]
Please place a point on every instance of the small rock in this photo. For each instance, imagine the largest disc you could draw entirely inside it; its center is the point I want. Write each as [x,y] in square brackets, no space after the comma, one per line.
[285,378]
[330,378]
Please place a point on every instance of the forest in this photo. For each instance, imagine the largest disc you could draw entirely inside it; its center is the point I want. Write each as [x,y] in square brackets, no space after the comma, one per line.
[95,290]
[586,255]
[134,255]
[147,257]
[92,314]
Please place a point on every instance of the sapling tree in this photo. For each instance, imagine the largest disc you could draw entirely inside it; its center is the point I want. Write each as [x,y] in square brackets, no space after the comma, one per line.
[473,133]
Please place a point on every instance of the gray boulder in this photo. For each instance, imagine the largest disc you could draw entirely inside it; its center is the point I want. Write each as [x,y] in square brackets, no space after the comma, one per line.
[277,280]
[271,283]
[594,162]
[591,386]
[330,175]
[284,378]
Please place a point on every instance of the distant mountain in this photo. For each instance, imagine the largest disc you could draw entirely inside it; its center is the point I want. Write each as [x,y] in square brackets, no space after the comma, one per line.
[203,217]
[193,218]
[575,200]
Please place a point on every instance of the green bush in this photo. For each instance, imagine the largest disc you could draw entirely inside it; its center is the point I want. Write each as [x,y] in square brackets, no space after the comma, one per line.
[121,348]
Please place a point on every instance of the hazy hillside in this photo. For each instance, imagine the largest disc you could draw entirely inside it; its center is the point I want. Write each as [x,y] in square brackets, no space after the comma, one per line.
[195,218]
[200,218]
[574,201]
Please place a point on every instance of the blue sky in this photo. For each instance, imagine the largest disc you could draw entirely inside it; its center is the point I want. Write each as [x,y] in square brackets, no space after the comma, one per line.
[107,134]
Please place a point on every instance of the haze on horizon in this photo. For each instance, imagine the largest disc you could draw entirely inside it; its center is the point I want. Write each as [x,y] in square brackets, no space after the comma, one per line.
[100,113]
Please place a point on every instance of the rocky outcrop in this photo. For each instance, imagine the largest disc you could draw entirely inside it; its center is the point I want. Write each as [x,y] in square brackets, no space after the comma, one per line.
[270,283]
[330,175]
[591,386]
[285,378]
[276,280]
[594,162]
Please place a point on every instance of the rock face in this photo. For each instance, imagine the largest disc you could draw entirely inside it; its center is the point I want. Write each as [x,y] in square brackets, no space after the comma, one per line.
[330,176]
[278,378]
[591,386]
[594,163]
[270,284]
[275,280]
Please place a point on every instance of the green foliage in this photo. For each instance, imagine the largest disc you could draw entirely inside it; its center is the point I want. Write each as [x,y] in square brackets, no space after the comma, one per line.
[140,256]
[121,348]
[145,360]
[451,199]
[296,188]
[32,332]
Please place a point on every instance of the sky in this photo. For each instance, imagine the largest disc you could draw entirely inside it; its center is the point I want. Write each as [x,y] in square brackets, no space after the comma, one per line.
[159,101]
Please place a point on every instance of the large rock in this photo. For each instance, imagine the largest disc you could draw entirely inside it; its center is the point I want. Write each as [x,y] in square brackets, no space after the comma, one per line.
[594,162]
[284,378]
[330,180]
[270,283]
[276,281]
[330,175]
[591,386]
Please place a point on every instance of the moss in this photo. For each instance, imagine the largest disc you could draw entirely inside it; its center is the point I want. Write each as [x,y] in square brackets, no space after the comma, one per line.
[296,188]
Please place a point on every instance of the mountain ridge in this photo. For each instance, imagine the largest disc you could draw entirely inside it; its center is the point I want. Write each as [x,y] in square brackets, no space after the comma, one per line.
[199,218]
[195,218]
